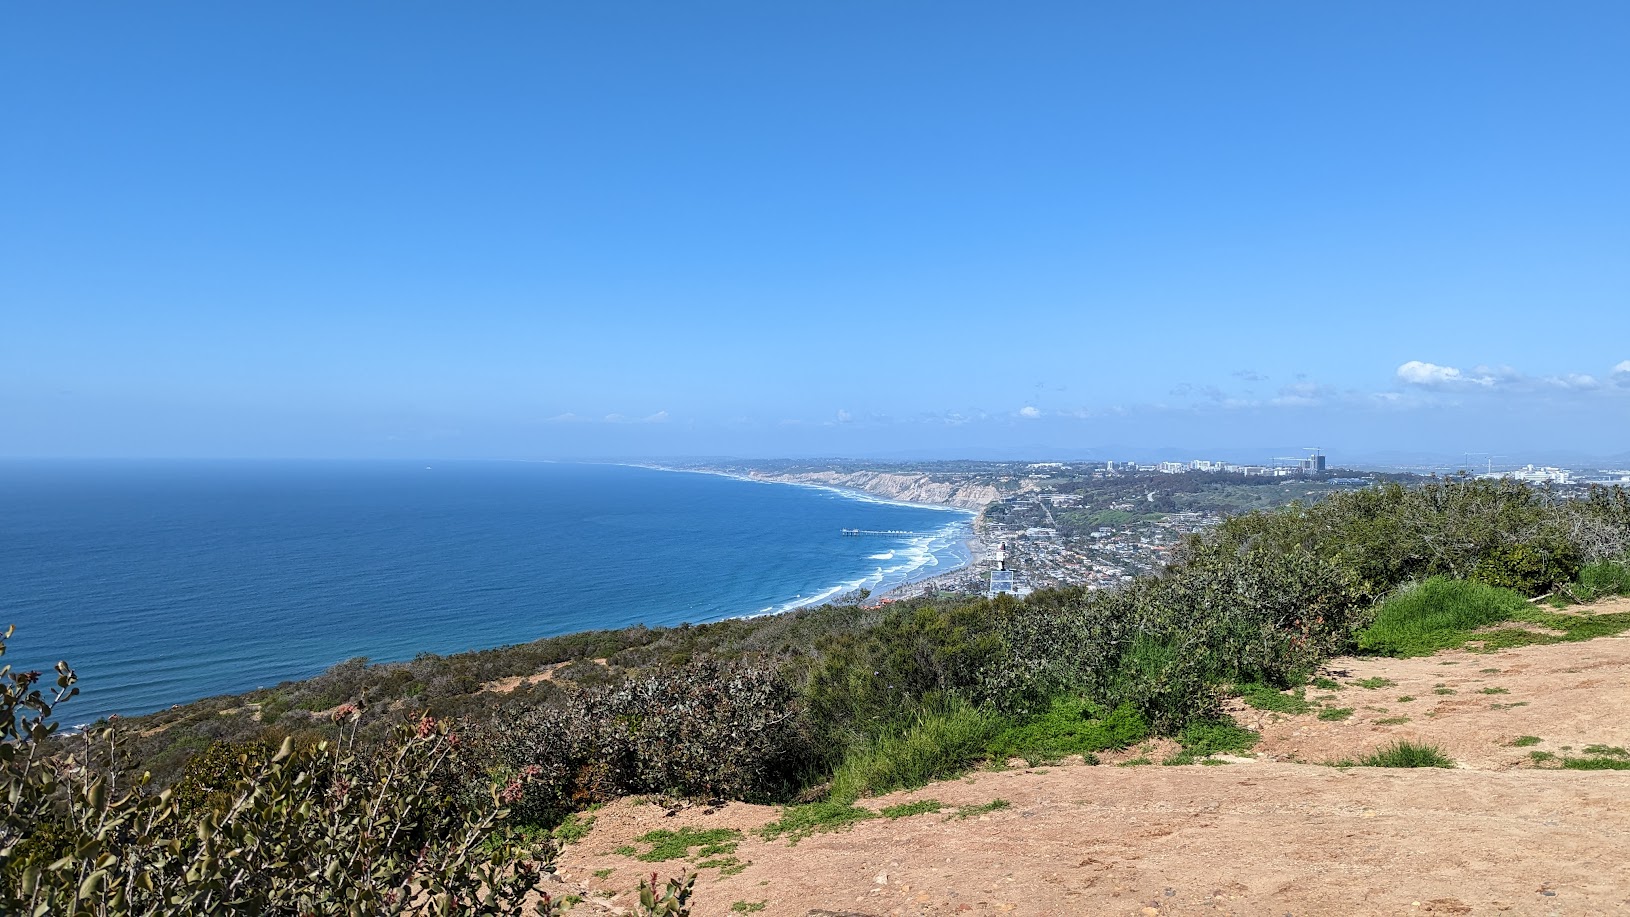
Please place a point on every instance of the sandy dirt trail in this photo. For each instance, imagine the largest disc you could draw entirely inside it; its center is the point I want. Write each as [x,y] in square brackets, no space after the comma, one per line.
[1280,833]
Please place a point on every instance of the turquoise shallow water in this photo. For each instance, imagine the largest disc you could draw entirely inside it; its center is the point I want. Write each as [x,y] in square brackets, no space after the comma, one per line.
[163,582]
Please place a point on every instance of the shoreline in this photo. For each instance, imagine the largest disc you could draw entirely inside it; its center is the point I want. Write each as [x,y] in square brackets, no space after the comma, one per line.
[976,549]
[972,546]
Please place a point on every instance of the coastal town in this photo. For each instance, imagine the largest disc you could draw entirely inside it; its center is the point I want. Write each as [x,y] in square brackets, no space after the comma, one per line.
[1098,524]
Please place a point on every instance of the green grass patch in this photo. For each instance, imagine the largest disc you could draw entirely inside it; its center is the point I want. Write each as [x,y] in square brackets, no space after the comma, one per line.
[1408,754]
[1596,764]
[1392,721]
[1599,758]
[574,828]
[1574,626]
[1375,683]
[939,744]
[627,850]
[604,873]
[674,845]
[1443,691]
[799,822]
[1611,751]
[727,866]
[1405,698]
[1136,762]
[747,907]
[1495,691]
[1201,740]
[1267,697]
[1601,579]
[908,809]
[1524,741]
[1335,714]
[1437,614]
[971,811]
[1070,726]
[1325,684]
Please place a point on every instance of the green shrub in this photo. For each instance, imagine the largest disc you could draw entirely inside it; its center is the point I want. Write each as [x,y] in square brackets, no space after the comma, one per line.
[1530,567]
[1071,726]
[1437,614]
[330,828]
[941,743]
[708,730]
[870,682]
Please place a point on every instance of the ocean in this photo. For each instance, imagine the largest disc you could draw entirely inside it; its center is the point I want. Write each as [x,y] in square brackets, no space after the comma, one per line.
[164,582]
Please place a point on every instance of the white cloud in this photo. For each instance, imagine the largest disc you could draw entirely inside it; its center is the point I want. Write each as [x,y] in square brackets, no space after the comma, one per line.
[1623,369]
[1574,381]
[1492,375]
[567,417]
[658,417]
[844,416]
[1431,375]
[1029,411]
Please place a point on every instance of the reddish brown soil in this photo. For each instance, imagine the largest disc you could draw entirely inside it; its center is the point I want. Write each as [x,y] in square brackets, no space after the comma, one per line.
[1278,834]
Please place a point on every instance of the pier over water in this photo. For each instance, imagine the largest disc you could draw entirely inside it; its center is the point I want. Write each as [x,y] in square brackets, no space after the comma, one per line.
[857,532]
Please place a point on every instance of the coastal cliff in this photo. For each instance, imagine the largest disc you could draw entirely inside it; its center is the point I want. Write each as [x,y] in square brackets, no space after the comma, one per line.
[910,488]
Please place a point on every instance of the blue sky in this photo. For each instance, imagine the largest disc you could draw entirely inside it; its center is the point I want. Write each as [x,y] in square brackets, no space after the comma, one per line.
[847,228]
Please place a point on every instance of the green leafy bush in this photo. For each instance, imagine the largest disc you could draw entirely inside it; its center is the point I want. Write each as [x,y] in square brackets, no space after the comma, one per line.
[909,661]
[330,828]
[941,743]
[1529,567]
[709,730]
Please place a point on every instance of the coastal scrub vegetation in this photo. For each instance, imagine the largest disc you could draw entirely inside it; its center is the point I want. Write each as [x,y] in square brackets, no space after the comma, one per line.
[470,759]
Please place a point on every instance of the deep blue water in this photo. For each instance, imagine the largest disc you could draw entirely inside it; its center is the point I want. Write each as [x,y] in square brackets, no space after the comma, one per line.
[166,582]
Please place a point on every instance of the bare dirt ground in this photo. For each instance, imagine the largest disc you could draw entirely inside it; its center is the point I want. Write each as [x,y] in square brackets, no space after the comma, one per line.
[1280,833]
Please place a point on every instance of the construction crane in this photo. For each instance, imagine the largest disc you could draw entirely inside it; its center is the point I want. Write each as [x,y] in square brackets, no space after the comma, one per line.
[1488,456]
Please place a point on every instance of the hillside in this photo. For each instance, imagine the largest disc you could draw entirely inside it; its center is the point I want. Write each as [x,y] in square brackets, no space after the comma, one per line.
[456,777]
[907,487]
[1271,832]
